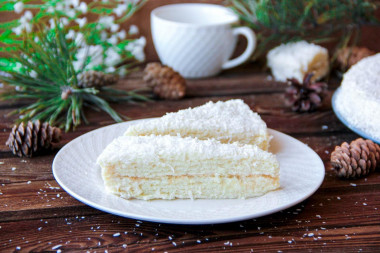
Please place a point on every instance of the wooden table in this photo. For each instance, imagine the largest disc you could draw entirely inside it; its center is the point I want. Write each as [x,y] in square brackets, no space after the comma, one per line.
[36,214]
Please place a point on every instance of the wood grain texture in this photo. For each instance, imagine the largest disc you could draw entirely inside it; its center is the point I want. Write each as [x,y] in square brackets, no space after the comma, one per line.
[342,216]
[37,215]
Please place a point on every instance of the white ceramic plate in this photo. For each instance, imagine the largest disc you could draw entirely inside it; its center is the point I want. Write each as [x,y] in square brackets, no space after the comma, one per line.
[75,169]
[340,116]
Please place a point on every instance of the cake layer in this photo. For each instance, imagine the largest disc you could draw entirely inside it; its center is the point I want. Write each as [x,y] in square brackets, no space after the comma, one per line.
[295,59]
[157,156]
[191,187]
[230,121]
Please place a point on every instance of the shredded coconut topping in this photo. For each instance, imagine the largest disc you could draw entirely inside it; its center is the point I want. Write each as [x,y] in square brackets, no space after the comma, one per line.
[359,98]
[228,121]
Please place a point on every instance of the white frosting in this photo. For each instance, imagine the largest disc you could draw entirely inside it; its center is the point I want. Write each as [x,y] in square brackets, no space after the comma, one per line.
[147,156]
[359,99]
[292,60]
[228,121]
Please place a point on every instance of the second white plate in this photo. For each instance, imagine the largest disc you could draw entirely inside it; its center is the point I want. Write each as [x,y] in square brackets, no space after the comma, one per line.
[340,116]
[75,169]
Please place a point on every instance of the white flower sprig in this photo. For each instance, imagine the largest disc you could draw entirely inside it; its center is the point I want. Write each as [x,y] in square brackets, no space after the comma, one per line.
[101,42]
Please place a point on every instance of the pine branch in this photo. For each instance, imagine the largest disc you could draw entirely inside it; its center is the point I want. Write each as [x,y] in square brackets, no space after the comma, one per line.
[282,21]
[57,98]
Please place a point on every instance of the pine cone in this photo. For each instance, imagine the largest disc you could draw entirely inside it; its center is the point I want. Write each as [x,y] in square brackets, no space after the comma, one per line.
[96,79]
[350,55]
[305,97]
[166,83]
[28,139]
[357,159]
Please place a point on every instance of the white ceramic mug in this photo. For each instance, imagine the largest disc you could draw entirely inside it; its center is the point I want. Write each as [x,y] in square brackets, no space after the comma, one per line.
[197,40]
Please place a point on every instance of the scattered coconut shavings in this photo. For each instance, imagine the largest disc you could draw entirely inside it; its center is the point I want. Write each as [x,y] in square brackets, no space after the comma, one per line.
[116,234]
[56,247]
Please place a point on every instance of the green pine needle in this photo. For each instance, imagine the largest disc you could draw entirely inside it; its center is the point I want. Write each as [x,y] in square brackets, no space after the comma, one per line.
[283,21]
[46,75]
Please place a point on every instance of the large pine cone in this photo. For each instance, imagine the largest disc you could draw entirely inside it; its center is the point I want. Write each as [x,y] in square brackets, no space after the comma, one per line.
[96,79]
[306,96]
[356,159]
[166,83]
[351,55]
[28,139]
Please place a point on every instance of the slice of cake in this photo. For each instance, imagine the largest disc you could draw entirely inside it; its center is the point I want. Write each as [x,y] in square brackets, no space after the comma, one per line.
[295,59]
[227,122]
[170,167]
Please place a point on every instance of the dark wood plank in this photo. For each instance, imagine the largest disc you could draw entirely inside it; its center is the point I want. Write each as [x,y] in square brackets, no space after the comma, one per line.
[343,215]
[323,221]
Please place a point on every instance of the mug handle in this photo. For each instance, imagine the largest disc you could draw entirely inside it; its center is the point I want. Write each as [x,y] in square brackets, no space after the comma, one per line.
[251,45]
